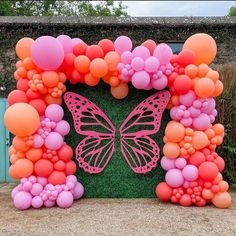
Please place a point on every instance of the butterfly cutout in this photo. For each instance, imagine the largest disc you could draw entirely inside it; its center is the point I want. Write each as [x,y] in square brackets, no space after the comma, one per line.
[139,150]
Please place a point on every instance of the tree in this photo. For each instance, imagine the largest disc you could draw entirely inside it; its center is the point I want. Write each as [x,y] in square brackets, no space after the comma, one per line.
[232,11]
[61,8]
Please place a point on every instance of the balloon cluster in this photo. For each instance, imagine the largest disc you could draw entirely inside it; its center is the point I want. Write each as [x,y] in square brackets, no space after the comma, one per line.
[37,192]
[193,167]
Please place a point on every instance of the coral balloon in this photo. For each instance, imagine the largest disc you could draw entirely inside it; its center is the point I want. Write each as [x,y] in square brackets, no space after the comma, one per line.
[23,47]
[34,154]
[94,51]
[80,49]
[65,153]
[185,200]
[112,59]
[150,45]
[90,80]
[22,84]
[20,144]
[43,167]
[208,170]
[200,140]
[23,168]
[16,96]
[163,191]
[39,105]
[182,84]
[50,78]
[120,92]
[82,64]
[106,45]
[98,68]
[70,167]
[57,177]
[222,200]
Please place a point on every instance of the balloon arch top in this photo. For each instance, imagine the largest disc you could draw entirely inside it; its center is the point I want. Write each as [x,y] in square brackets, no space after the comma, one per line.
[43,161]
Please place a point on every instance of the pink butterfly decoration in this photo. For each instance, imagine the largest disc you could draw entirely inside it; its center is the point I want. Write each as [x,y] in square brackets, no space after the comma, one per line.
[96,149]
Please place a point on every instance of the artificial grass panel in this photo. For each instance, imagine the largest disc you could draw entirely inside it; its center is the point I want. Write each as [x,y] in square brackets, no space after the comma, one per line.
[117,180]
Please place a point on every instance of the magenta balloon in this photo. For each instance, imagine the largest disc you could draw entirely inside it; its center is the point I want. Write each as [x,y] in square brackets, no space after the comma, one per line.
[163,53]
[122,44]
[180,163]
[174,178]
[140,79]
[151,64]
[167,164]
[37,202]
[66,43]
[137,64]
[47,53]
[78,191]
[159,83]
[38,141]
[54,141]
[22,200]
[188,98]
[54,112]
[201,122]
[142,52]
[190,172]
[65,199]
[62,128]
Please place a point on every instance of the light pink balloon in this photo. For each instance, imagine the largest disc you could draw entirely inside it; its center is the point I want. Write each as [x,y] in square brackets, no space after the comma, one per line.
[71,178]
[201,122]
[54,141]
[62,127]
[65,199]
[14,192]
[159,83]
[54,112]
[38,141]
[188,98]
[49,203]
[75,41]
[151,64]
[47,53]
[127,57]
[163,53]
[137,64]
[190,172]
[187,122]
[22,200]
[42,180]
[37,202]
[122,44]
[140,79]
[174,178]
[78,191]
[66,43]
[36,189]
[180,163]
[167,164]
[142,52]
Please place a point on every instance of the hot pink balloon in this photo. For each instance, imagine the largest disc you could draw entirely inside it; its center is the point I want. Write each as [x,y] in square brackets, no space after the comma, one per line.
[159,83]
[54,141]
[140,79]
[142,52]
[122,44]
[66,43]
[47,53]
[190,172]
[174,178]
[163,53]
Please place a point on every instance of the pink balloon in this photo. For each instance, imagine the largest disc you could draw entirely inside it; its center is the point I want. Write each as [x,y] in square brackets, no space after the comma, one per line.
[187,122]
[38,141]
[167,164]
[32,179]
[190,172]
[54,112]
[149,87]
[37,202]
[180,163]
[174,178]
[201,122]
[163,53]
[65,199]
[151,64]
[66,43]
[47,53]
[122,44]
[27,186]
[126,57]
[22,200]
[49,203]
[62,128]
[75,41]
[137,64]
[188,98]
[36,189]
[71,178]
[54,141]
[42,180]
[194,112]
[140,79]
[14,192]
[142,52]
[211,104]
[78,191]
[159,83]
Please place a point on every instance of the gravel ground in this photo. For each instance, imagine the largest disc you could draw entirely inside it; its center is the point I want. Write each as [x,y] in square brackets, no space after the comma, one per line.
[116,217]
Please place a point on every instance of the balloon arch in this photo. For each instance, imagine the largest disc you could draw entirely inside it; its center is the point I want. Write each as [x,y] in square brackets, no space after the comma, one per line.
[43,161]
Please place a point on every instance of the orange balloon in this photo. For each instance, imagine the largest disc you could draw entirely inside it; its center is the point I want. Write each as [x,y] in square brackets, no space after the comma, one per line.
[224,186]
[203,70]
[213,75]
[219,87]
[174,131]
[82,64]
[20,144]
[98,68]
[222,200]
[204,87]
[23,47]
[21,119]
[28,63]
[114,81]
[191,71]
[120,92]
[204,47]
[12,172]
[11,150]
[90,80]
[112,59]
[52,100]
[50,78]
[200,140]
[207,194]
[23,168]
[219,129]
[171,150]
[34,154]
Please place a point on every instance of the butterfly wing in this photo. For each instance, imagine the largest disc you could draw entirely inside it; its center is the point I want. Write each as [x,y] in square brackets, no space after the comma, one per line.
[95,151]
[139,150]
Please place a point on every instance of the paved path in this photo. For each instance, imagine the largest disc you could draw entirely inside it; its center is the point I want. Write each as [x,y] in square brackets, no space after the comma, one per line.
[95,217]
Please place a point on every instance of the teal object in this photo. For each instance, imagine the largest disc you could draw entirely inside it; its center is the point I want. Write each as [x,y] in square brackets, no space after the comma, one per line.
[4,144]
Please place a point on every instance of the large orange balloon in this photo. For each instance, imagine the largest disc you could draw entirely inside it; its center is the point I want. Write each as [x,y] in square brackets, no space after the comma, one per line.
[171,150]
[82,64]
[23,168]
[174,131]
[50,78]
[120,92]
[98,68]
[112,59]
[204,47]
[34,154]
[222,200]
[21,119]
[23,47]
[200,140]
[20,144]
[204,87]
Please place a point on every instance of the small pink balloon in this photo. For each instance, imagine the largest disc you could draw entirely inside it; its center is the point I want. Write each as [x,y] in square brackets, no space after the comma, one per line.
[78,191]
[27,186]
[186,184]
[187,122]
[202,122]
[54,141]
[49,203]
[62,128]
[66,43]
[151,64]
[54,112]
[174,178]
[163,53]
[47,53]
[194,112]
[32,179]
[22,200]
[122,44]
[167,164]
[142,52]
[188,98]
[126,57]
[36,189]
[190,172]
[137,64]
[65,199]
[72,179]
[38,141]
[140,79]
[211,104]
[180,163]
[159,83]
[42,180]
[37,202]
[14,192]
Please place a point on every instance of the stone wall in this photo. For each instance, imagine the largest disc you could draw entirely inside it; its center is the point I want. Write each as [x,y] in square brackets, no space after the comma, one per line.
[92,29]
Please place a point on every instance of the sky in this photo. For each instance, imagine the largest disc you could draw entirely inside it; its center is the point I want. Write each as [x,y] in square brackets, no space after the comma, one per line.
[178,8]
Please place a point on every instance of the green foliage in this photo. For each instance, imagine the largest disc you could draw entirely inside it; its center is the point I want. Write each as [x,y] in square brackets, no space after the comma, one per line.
[232,11]
[61,8]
